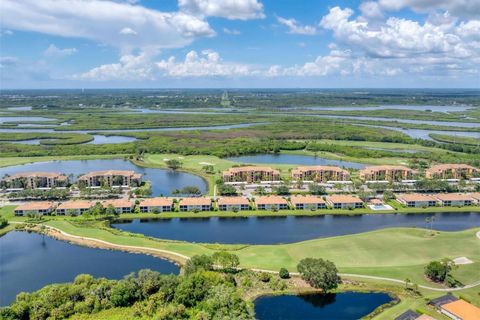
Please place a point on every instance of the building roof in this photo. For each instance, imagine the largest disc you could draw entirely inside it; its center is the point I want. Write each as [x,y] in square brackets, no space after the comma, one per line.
[343,198]
[414,197]
[156,202]
[32,206]
[437,302]
[384,167]
[408,315]
[376,201]
[425,317]
[270,200]
[475,195]
[454,197]
[38,174]
[462,309]
[72,205]
[117,203]
[449,166]
[306,200]
[233,201]
[319,168]
[196,201]
[250,168]
[111,173]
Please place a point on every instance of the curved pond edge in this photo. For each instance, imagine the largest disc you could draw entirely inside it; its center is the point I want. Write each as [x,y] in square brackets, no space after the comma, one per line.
[377,311]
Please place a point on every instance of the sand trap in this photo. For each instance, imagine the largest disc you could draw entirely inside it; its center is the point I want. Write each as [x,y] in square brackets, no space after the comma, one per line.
[462,260]
[206,163]
[165,159]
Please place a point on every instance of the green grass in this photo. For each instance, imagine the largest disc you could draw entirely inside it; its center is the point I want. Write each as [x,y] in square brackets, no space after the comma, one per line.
[455,139]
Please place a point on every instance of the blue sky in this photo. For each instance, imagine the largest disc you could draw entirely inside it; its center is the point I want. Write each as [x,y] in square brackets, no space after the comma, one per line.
[239,43]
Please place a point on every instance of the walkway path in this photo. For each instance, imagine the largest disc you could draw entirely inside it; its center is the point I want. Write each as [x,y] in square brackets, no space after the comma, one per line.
[181,258]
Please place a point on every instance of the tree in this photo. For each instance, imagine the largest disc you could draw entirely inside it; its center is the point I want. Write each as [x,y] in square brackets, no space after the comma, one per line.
[281,190]
[226,260]
[110,210]
[438,271]
[174,164]
[319,273]
[316,189]
[227,190]
[264,276]
[198,262]
[284,274]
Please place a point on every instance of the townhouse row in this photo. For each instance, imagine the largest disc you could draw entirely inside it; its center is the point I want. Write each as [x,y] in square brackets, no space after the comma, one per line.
[325,174]
[298,202]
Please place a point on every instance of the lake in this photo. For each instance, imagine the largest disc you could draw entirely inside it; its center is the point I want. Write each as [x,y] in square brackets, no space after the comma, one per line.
[431,122]
[273,230]
[340,306]
[29,261]
[283,158]
[97,139]
[24,119]
[164,181]
[450,108]
[425,134]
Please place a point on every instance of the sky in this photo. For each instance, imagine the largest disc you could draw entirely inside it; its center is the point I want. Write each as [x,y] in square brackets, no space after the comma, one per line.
[239,44]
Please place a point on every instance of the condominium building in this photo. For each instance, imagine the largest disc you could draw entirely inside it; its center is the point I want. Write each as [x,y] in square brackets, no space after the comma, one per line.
[74,207]
[111,178]
[271,202]
[386,173]
[455,199]
[156,205]
[33,180]
[344,201]
[417,200]
[451,171]
[195,204]
[251,174]
[320,173]
[233,203]
[308,202]
[40,207]
[120,205]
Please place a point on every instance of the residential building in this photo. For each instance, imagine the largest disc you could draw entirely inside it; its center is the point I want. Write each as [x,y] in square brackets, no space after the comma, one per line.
[34,180]
[386,173]
[320,173]
[195,204]
[251,174]
[412,315]
[344,201]
[120,205]
[233,203]
[156,205]
[455,199]
[74,207]
[451,171]
[476,197]
[308,202]
[40,207]
[110,178]
[460,310]
[271,203]
[415,200]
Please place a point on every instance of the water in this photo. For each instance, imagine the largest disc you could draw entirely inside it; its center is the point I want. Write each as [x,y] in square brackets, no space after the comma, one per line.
[340,306]
[431,122]
[31,141]
[222,127]
[446,109]
[425,134]
[273,230]
[296,159]
[28,262]
[26,108]
[164,181]
[24,119]
[99,139]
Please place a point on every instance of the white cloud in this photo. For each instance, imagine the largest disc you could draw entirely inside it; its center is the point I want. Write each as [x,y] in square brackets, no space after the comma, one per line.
[6,32]
[54,51]
[233,32]
[128,31]
[205,64]
[8,61]
[295,28]
[371,10]
[230,9]
[101,20]
[465,8]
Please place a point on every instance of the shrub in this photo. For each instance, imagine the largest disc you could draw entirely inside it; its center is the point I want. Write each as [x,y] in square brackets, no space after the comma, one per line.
[284,274]
[264,276]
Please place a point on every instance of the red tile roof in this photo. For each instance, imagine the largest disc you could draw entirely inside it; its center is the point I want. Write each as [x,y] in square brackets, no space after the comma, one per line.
[33,206]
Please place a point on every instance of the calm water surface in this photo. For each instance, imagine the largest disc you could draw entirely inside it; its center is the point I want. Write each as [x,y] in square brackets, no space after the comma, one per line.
[273,230]
[340,306]
[23,119]
[29,261]
[163,181]
[295,159]
[425,134]
[451,108]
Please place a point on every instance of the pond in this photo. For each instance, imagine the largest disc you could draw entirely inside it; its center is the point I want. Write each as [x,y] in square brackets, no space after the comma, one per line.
[425,134]
[340,306]
[450,108]
[283,158]
[164,181]
[273,230]
[99,139]
[23,119]
[29,261]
